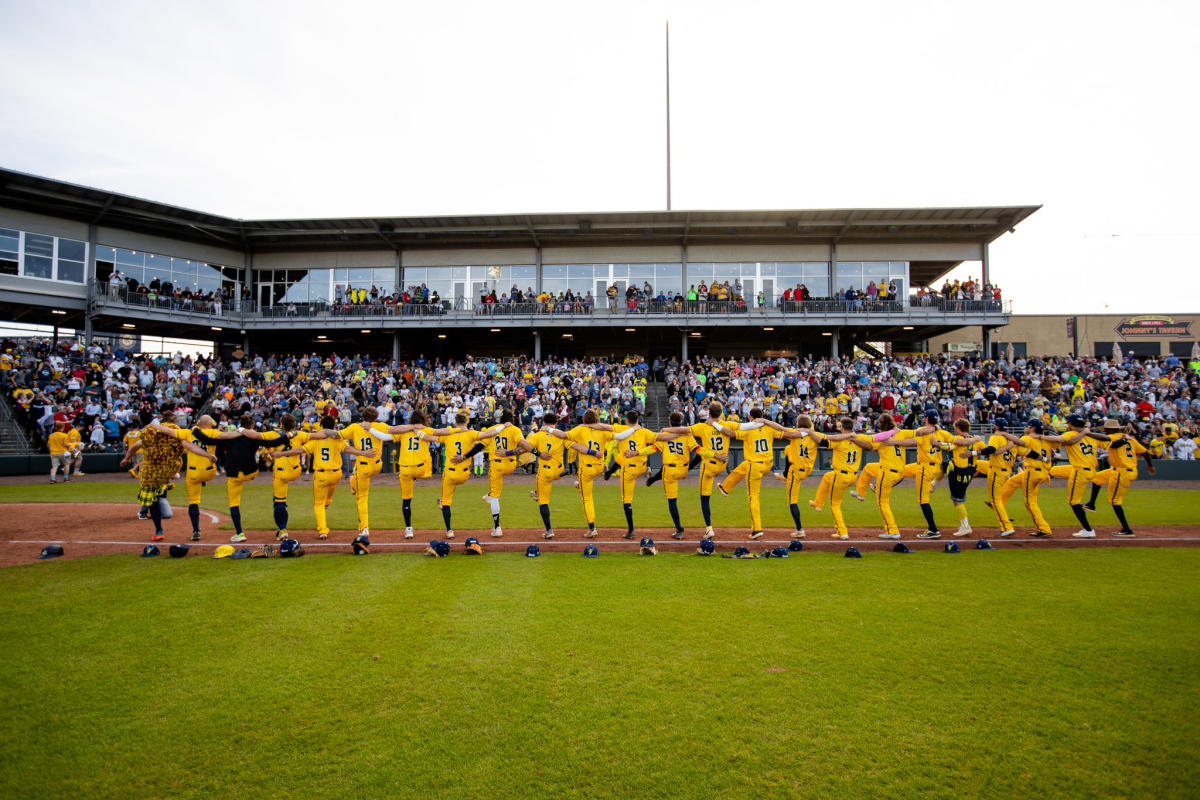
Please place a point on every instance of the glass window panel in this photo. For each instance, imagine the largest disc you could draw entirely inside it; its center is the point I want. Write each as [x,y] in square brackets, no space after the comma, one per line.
[8,266]
[641,272]
[9,241]
[38,245]
[876,269]
[230,273]
[413,276]
[817,287]
[71,249]
[700,271]
[37,266]
[360,276]
[130,258]
[459,273]
[70,271]
[767,269]
[105,253]
[522,274]
[620,271]
[553,271]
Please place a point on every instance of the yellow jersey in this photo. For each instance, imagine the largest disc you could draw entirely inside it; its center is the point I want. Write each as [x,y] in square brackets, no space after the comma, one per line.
[1124,456]
[891,456]
[1002,462]
[359,435]
[628,448]
[326,453]
[677,452]
[504,440]
[414,451]
[59,443]
[1037,453]
[801,453]
[594,439]
[847,455]
[458,444]
[757,444]
[710,438]
[130,438]
[962,457]
[1082,454]
[543,442]
[201,437]
[278,440]
[73,439]
[928,452]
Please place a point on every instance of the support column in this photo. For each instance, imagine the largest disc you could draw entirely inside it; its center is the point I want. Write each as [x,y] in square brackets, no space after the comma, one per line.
[396,346]
[246,344]
[987,267]
[90,276]
[89,332]
[833,270]
[833,344]
[537,335]
[683,272]
[986,344]
[537,266]
[683,346]
[55,337]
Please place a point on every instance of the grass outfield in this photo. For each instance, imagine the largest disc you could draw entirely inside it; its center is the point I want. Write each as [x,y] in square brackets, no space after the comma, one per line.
[1058,673]
[1144,506]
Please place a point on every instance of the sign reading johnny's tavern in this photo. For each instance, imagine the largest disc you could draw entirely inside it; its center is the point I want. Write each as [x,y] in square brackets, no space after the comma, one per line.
[1153,326]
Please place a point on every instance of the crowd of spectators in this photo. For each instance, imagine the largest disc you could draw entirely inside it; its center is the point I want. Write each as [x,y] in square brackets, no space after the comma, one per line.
[165,295]
[104,391]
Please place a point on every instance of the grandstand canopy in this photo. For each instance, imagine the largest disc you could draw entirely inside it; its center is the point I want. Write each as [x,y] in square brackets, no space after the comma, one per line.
[819,226]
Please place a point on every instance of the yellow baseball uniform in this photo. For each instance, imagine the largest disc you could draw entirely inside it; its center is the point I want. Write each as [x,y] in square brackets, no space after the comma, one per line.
[130,438]
[847,459]
[327,473]
[1031,478]
[458,444]
[414,461]
[631,458]
[199,470]
[1082,459]
[890,471]
[498,465]
[358,435]
[548,471]
[676,455]
[710,439]
[759,460]
[1122,470]
[59,443]
[590,467]
[928,468]
[1000,470]
[801,455]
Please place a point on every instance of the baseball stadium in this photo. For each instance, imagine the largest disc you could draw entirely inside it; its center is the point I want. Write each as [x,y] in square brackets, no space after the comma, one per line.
[974,530]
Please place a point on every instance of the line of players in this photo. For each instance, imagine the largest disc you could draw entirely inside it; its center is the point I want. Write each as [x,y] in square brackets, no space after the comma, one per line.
[704,445]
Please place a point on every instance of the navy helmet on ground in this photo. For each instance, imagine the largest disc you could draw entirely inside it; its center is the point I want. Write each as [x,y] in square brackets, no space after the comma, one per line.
[51,551]
[901,547]
[984,544]
[852,552]
[290,548]
[780,552]
[742,552]
[590,551]
[707,547]
[795,545]
[951,547]
[179,550]
[472,547]
[361,545]
[533,551]
[150,550]
[648,548]
[437,548]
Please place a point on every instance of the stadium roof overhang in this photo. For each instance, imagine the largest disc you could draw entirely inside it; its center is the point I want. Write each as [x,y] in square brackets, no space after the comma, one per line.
[979,225]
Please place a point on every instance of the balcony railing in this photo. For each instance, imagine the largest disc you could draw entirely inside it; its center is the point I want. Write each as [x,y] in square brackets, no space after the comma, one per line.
[462,308]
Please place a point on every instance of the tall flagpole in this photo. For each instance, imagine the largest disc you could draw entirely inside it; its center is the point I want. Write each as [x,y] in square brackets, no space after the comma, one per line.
[668,115]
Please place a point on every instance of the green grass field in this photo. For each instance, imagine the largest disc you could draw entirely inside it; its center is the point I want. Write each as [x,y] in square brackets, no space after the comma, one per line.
[1144,506]
[1046,674]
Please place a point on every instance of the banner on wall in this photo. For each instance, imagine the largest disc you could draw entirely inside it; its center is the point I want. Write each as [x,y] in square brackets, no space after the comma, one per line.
[1153,326]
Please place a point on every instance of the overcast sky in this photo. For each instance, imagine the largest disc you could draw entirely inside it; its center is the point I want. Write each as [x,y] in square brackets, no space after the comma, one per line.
[295,109]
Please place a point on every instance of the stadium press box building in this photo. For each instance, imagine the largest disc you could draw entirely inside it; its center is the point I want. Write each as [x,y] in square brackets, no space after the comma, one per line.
[95,260]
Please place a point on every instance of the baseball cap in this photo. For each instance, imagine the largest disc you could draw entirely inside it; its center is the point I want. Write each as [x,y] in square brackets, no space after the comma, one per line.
[533,551]
[648,548]
[590,551]
[951,547]
[901,547]
[1001,423]
[150,550]
[361,545]
[852,552]
[1076,420]
[795,545]
[706,547]
[223,551]
[930,416]
[1035,424]
[50,551]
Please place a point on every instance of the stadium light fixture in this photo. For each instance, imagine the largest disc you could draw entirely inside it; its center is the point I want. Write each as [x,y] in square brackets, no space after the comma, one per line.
[908,327]
[322,336]
[365,330]
[59,312]
[215,328]
[128,325]
[827,333]
[568,336]
[768,329]
[630,330]
[441,336]
[696,334]
[494,330]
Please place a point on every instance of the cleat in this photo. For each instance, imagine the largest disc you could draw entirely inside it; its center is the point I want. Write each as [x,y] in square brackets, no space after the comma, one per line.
[779,477]
[813,505]
[576,484]
[629,535]
[589,534]
[238,537]
[677,535]
[365,531]
[1089,507]
[158,537]
[195,536]
[408,533]
[963,531]
[1040,534]
[142,514]
[54,481]
[1123,532]
[1081,534]
[322,535]
[67,479]
[856,495]
[708,533]
[889,536]
[79,473]
[449,534]
[1008,532]
[755,535]
[798,534]
[281,534]
[496,532]
[548,535]
[722,488]
[930,535]
[486,498]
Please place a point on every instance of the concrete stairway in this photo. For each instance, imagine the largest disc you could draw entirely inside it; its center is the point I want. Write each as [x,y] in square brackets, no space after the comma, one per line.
[657,415]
